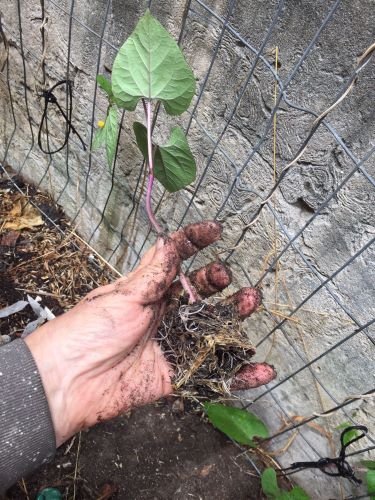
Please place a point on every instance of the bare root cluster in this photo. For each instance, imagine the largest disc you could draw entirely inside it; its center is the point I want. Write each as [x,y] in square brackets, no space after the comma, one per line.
[206,346]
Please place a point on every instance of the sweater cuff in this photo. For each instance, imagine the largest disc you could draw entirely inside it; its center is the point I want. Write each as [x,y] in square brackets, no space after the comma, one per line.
[27,436]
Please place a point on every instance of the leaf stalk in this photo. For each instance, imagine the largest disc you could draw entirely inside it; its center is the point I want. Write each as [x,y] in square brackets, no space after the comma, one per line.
[185,282]
[150,162]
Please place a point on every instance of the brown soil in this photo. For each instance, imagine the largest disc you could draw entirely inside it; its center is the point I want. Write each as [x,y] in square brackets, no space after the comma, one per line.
[154,453]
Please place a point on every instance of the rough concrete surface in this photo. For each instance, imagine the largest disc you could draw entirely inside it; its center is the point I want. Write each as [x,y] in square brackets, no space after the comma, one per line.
[81,183]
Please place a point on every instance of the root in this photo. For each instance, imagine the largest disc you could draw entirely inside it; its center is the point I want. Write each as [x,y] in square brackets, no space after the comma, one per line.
[205,346]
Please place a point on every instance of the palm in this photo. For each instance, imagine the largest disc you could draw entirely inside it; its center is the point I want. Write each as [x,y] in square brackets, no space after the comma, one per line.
[123,366]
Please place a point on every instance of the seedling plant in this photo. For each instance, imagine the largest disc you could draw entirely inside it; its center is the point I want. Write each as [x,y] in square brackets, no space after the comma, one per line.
[151,67]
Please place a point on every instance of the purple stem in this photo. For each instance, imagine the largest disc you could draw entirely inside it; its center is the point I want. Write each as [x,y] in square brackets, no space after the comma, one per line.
[188,287]
[185,282]
[150,162]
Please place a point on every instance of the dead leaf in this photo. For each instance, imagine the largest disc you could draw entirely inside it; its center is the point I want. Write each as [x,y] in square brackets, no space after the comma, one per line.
[9,239]
[22,215]
[17,207]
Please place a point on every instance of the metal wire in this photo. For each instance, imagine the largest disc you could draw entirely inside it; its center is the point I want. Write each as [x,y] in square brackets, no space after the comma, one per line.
[199,10]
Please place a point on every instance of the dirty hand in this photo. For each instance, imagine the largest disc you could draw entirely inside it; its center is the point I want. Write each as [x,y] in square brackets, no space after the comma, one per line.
[100,358]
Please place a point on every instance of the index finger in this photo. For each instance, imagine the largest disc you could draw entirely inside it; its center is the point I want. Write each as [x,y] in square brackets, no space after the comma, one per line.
[190,239]
[194,237]
[159,266]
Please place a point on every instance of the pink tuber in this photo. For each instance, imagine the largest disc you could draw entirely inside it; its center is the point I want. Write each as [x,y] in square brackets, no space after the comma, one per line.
[252,375]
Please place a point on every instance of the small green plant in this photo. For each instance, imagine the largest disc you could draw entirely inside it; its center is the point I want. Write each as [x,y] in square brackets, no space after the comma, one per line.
[151,68]
[370,477]
[272,491]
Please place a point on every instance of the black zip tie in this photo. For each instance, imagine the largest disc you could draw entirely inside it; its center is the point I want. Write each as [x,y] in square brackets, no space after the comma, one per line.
[50,98]
[343,467]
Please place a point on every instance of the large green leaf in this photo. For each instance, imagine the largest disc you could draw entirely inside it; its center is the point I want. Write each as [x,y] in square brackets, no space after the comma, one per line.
[174,164]
[370,480]
[150,64]
[238,424]
[108,135]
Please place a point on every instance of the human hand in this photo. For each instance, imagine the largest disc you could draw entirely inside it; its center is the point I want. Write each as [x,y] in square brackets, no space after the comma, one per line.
[101,358]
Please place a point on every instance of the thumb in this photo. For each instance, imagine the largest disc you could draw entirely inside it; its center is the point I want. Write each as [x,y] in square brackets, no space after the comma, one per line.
[150,281]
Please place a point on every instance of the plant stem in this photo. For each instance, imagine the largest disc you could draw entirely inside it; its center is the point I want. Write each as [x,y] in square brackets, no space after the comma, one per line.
[150,162]
[185,282]
[188,287]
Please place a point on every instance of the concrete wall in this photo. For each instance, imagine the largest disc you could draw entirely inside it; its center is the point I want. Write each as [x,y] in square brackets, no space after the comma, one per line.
[81,184]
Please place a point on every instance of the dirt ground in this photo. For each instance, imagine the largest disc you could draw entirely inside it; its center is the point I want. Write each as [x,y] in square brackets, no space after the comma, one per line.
[156,452]
[153,453]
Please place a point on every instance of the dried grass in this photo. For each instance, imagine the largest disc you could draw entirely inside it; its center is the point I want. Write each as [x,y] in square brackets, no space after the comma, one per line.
[47,260]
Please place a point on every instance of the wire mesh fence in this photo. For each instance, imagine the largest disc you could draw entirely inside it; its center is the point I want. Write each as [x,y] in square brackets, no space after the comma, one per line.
[254,122]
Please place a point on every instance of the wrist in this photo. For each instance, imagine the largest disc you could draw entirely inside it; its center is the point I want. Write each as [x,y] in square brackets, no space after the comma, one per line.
[56,378]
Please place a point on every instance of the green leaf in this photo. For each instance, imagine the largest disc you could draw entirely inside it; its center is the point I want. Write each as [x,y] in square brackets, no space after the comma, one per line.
[344,425]
[370,464]
[108,135]
[141,138]
[269,483]
[118,102]
[99,139]
[370,480]
[348,435]
[174,164]
[104,84]
[112,129]
[273,492]
[150,64]
[238,424]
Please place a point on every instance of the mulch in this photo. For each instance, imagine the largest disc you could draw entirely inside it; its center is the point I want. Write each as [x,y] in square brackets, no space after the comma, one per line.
[41,255]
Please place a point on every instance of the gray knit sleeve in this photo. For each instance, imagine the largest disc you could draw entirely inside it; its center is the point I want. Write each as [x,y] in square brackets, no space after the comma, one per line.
[27,437]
